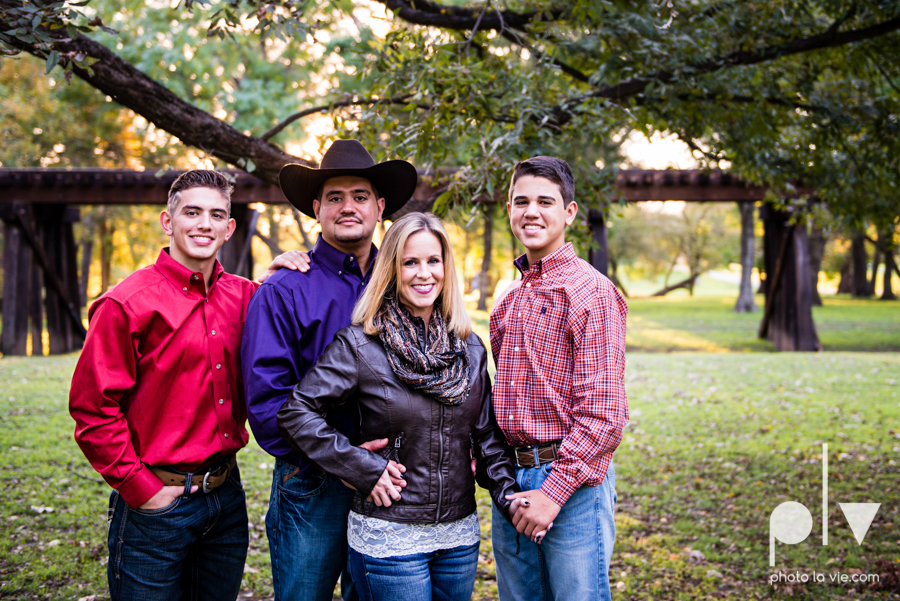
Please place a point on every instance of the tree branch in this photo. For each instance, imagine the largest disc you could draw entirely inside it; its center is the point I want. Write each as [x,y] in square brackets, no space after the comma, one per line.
[135,90]
[340,104]
[636,85]
[564,67]
[828,39]
[425,12]
[272,244]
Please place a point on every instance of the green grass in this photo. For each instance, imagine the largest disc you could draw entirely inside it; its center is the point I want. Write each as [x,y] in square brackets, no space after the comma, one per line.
[717,440]
[709,323]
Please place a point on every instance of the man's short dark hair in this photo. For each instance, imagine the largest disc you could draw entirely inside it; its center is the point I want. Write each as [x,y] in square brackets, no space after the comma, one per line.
[551,168]
[199,178]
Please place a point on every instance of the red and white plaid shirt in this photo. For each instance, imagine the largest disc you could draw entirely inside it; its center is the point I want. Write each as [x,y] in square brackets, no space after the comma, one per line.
[559,345]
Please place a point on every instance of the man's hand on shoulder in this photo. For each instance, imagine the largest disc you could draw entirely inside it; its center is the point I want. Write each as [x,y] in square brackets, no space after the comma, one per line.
[165,496]
[535,514]
[295,260]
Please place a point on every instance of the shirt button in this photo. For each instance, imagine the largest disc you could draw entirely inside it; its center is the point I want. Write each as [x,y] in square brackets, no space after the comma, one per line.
[213,332]
[195,278]
[511,383]
[218,366]
[340,272]
[528,285]
[520,314]
[544,276]
[221,401]
[226,435]
[510,417]
[515,348]
[184,289]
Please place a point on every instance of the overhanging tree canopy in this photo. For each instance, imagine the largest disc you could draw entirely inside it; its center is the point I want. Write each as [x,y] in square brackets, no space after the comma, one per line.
[783,91]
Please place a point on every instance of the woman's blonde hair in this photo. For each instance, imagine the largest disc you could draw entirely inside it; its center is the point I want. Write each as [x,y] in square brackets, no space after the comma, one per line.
[385,278]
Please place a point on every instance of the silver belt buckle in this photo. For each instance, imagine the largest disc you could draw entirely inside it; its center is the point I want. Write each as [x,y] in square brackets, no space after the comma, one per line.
[206,476]
[205,482]
[525,449]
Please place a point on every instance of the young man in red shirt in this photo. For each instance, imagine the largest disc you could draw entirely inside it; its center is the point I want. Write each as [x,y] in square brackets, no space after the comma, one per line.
[158,402]
[558,339]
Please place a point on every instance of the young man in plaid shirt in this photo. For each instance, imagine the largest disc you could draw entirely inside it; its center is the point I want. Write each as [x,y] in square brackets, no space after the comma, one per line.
[558,339]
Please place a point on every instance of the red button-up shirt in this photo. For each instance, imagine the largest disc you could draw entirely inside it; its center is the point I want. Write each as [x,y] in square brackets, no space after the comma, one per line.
[558,341]
[159,380]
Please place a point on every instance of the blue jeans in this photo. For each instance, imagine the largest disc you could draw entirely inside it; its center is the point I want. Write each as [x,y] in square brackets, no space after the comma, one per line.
[445,575]
[194,548]
[307,528]
[573,560]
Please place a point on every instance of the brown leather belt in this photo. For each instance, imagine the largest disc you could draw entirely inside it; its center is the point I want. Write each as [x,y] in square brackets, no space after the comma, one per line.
[537,454]
[207,481]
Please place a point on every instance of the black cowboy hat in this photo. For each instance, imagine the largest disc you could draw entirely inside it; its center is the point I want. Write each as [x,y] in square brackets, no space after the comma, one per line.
[395,181]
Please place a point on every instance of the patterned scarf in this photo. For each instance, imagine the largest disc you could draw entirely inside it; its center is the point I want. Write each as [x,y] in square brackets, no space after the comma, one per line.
[442,371]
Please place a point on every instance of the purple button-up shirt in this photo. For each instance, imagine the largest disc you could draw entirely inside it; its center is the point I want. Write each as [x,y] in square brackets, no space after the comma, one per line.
[291,319]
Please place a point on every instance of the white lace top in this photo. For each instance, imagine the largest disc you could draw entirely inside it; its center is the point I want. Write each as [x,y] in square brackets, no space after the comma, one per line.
[380,538]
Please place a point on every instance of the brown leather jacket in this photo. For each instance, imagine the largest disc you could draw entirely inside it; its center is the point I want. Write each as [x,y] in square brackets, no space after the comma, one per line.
[430,438]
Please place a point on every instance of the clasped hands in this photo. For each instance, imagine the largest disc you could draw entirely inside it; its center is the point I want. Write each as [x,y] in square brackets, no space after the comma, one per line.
[532,513]
[391,482]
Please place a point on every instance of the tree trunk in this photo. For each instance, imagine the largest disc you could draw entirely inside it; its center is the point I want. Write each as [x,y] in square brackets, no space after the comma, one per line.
[105,232]
[308,245]
[817,241]
[876,263]
[745,302]
[598,256]
[467,288]
[845,286]
[860,267]
[87,251]
[787,320]
[614,276]
[483,283]
[889,267]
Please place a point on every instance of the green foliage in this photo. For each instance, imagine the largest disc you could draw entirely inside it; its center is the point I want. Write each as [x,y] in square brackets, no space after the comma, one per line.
[649,242]
[34,23]
[46,123]
[717,74]
[786,94]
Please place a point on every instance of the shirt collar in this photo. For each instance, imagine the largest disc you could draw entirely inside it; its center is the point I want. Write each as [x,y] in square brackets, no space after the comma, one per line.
[338,262]
[552,262]
[182,277]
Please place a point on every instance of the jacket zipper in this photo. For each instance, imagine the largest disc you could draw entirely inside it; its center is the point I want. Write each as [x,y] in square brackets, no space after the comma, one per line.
[437,515]
[395,452]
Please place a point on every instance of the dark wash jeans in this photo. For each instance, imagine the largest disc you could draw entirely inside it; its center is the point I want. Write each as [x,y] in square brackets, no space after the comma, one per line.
[307,529]
[192,549]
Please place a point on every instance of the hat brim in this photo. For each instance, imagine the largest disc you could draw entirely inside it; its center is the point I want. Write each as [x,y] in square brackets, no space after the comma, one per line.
[395,181]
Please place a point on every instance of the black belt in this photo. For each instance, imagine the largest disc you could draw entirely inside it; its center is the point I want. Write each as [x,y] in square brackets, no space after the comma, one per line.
[537,454]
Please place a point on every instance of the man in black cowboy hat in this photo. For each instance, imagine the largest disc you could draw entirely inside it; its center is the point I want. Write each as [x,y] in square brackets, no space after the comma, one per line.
[291,319]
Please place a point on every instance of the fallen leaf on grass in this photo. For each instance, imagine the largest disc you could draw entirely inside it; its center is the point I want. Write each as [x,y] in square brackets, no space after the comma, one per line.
[39,509]
[696,556]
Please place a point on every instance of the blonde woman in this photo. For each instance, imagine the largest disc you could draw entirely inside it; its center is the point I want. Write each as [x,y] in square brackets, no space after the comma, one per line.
[419,377]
